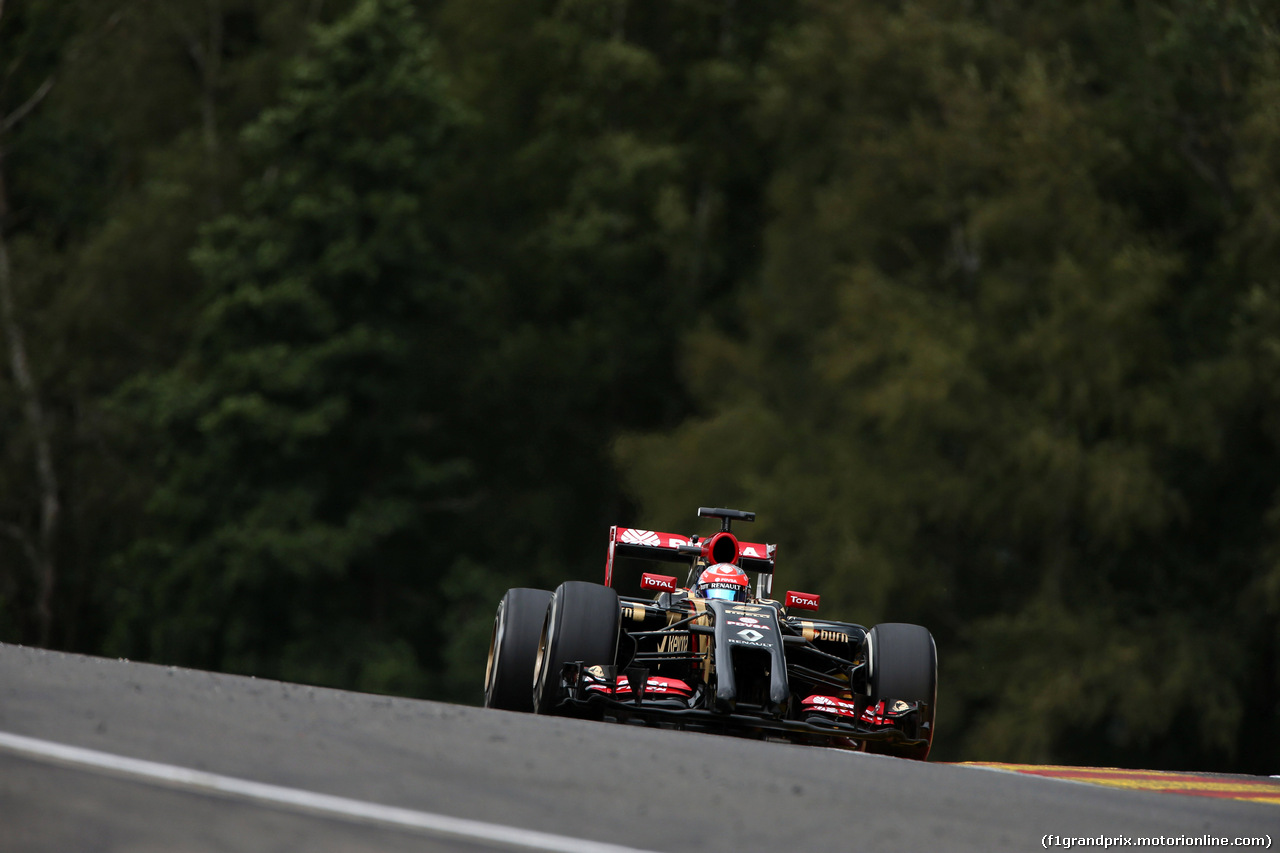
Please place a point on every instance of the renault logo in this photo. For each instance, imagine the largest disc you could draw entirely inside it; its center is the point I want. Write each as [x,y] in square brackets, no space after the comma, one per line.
[751,635]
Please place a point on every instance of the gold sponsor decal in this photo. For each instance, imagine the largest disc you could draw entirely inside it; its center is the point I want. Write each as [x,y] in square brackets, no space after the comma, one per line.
[701,644]
[633,612]
[812,632]
[673,643]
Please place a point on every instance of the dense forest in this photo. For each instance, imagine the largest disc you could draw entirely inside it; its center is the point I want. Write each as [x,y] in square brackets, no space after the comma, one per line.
[326,321]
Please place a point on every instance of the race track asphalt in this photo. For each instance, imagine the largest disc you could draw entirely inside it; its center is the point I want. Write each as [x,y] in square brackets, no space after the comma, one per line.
[640,788]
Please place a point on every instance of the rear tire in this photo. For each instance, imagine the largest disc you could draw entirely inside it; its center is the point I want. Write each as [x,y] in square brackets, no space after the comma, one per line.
[581,625]
[904,666]
[513,649]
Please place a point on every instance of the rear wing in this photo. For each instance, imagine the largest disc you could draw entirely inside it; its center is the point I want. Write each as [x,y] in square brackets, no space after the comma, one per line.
[723,547]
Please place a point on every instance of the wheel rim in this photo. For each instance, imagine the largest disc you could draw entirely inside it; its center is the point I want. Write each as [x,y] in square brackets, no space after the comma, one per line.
[495,651]
[871,661]
[540,663]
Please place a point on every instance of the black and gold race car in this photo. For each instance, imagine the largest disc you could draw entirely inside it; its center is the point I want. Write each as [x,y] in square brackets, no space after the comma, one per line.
[713,654]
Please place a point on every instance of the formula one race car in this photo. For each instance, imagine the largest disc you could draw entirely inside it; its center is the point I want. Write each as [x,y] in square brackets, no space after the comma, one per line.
[712,655]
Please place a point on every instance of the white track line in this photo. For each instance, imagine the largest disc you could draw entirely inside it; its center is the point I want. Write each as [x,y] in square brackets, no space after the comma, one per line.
[184,777]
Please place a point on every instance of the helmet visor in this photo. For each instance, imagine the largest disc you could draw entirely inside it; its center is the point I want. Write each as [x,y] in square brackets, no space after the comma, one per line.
[724,592]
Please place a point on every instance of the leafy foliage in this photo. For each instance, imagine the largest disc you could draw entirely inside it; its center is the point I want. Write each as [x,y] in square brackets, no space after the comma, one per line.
[306,454]
[350,315]
[994,379]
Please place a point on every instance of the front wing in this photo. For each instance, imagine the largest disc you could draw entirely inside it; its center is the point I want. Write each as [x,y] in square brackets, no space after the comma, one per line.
[574,679]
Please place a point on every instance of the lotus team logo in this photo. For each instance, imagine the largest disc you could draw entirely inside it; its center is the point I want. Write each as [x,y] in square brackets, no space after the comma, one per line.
[640,537]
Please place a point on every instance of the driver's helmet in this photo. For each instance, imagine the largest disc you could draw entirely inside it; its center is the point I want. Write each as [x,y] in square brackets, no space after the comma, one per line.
[724,581]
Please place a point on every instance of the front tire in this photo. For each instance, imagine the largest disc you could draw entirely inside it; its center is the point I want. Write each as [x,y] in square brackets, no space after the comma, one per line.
[581,626]
[513,649]
[904,666]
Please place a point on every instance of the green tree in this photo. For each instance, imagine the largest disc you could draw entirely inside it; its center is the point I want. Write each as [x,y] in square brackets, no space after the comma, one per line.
[613,196]
[990,379]
[127,145]
[34,536]
[310,473]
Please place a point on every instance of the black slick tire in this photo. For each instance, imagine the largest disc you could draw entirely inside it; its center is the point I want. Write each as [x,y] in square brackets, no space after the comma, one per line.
[581,626]
[513,649]
[904,666]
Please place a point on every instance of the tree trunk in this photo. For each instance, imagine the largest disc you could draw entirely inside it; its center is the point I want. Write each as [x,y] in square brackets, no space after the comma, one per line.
[41,550]
[204,42]
[210,66]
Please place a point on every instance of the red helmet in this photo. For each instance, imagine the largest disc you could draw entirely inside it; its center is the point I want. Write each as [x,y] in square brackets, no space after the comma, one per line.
[724,581]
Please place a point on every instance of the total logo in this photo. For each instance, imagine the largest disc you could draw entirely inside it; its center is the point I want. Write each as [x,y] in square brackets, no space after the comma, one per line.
[751,635]
[802,600]
[662,582]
